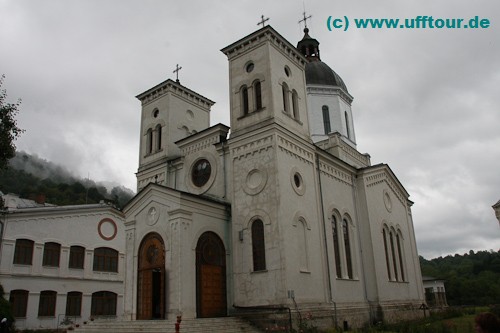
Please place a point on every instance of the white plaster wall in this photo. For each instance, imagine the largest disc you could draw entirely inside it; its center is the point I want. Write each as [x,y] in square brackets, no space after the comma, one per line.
[66,228]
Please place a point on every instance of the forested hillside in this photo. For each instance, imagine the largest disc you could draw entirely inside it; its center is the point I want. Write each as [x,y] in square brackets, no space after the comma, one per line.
[470,279]
[29,177]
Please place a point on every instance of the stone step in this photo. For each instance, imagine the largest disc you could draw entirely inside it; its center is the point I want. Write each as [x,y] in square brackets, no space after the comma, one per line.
[220,325]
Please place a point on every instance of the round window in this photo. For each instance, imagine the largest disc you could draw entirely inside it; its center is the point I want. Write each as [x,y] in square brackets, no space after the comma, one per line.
[200,174]
[287,71]
[249,67]
[156,113]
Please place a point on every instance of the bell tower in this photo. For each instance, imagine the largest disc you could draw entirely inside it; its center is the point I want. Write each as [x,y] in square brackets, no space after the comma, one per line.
[170,112]
[267,83]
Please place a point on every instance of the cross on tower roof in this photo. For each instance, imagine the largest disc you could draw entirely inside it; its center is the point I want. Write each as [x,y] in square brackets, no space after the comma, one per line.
[176,71]
[305,19]
[263,21]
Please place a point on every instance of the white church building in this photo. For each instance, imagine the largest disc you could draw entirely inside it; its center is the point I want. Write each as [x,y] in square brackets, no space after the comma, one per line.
[279,210]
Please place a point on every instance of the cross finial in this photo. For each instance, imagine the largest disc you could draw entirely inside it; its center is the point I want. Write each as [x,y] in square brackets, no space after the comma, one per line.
[305,19]
[176,71]
[263,21]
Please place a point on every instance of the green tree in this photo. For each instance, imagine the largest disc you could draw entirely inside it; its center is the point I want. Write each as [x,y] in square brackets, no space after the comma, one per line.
[9,131]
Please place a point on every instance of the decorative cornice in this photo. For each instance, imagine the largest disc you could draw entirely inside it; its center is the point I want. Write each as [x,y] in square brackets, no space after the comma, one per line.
[253,147]
[262,35]
[329,90]
[381,177]
[295,150]
[176,88]
[334,173]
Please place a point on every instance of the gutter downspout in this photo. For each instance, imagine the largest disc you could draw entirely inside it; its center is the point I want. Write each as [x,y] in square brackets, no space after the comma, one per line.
[322,208]
[356,211]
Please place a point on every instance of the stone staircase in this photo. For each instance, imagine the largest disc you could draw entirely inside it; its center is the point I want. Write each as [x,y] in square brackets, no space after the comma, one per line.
[219,325]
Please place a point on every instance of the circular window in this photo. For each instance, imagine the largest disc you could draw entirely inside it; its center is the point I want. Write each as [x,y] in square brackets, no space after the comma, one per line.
[287,71]
[297,182]
[249,67]
[156,113]
[387,201]
[200,174]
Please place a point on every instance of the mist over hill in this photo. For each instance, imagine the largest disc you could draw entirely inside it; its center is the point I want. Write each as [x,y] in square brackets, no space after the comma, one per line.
[32,177]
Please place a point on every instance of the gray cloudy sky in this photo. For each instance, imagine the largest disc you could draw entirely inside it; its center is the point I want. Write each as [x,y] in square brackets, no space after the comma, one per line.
[427,101]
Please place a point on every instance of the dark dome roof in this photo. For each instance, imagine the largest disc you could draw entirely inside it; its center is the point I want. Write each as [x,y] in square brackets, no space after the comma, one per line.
[317,72]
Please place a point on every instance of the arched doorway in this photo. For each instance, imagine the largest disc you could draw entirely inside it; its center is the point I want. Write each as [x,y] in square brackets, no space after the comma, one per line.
[151,278]
[210,276]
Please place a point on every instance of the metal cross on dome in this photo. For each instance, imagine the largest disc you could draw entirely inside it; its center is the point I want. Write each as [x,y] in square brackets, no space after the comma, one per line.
[263,21]
[176,71]
[305,19]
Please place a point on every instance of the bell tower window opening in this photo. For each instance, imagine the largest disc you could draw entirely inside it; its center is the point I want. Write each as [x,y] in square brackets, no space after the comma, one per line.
[244,100]
[258,95]
[286,103]
[326,119]
[295,104]
[158,137]
[149,141]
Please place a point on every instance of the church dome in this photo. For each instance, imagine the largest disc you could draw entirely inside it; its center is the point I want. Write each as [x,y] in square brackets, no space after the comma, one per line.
[317,72]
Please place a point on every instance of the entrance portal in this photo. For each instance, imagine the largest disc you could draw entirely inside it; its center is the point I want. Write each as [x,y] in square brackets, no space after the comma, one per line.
[210,276]
[151,278]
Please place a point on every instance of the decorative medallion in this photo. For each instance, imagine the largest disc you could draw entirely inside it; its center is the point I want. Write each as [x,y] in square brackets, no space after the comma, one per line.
[153,216]
[107,229]
[255,182]
[387,201]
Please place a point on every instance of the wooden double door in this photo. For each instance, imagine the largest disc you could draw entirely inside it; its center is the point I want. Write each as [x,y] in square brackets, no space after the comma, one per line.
[151,278]
[210,276]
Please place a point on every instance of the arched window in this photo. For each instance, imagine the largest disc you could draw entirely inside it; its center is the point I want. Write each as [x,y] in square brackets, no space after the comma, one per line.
[302,241]
[23,253]
[149,141]
[336,247]
[47,304]
[347,246]
[51,254]
[258,246]
[244,100]
[400,255]
[105,260]
[387,260]
[74,303]
[103,304]
[19,302]
[348,131]
[285,91]
[393,252]
[76,257]
[326,119]
[295,104]
[258,95]
[158,137]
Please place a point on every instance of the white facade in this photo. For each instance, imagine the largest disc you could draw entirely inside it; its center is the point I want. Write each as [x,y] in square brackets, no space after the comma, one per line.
[271,216]
[87,227]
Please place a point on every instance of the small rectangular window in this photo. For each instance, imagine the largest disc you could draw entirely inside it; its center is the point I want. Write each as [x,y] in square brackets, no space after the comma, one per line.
[74,303]
[76,257]
[23,253]
[51,254]
[47,305]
